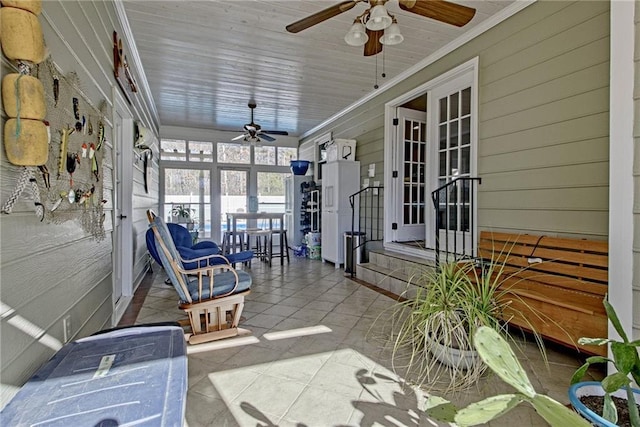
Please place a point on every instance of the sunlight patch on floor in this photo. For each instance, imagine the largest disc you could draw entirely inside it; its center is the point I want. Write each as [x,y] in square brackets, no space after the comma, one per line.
[299,332]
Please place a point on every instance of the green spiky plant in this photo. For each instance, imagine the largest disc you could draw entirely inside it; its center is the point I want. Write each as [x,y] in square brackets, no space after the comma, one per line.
[496,353]
[450,304]
[626,362]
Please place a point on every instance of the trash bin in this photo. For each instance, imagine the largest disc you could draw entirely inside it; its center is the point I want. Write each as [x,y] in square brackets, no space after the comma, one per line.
[129,376]
[353,240]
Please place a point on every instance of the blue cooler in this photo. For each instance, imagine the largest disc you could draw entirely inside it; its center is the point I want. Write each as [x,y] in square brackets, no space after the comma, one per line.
[132,376]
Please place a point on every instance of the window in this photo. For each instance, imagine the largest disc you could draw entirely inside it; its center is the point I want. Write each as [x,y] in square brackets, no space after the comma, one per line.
[233,153]
[265,155]
[173,149]
[286,154]
[200,151]
[210,178]
[188,190]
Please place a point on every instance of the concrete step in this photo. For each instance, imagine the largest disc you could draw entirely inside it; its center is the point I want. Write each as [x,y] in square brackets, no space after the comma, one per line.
[393,272]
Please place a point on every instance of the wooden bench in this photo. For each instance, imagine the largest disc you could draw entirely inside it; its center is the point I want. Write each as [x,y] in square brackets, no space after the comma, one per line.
[557,284]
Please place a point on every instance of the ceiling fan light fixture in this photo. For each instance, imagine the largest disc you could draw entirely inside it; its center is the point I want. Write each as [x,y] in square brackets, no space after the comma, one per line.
[379,19]
[392,35]
[357,35]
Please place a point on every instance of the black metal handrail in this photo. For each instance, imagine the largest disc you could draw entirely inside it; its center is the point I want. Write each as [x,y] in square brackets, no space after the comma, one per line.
[459,208]
[370,227]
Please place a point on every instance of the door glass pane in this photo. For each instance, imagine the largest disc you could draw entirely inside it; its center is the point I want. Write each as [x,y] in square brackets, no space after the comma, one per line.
[233,196]
[453,108]
[443,164]
[271,192]
[453,137]
[466,102]
[443,136]
[466,161]
[187,200]
[443,110]
[466,131]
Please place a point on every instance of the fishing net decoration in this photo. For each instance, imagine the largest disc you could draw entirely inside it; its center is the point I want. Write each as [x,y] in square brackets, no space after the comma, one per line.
[70,110]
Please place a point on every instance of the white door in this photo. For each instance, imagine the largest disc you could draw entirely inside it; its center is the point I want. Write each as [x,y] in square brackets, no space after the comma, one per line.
[123,226]
[453,151]
[410,183]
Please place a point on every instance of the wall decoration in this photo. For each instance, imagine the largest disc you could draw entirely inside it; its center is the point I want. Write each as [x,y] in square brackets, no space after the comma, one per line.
[64,142]
[74,190]
[121,70]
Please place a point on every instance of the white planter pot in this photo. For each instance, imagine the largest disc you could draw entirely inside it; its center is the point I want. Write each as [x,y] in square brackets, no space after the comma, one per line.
[453,357]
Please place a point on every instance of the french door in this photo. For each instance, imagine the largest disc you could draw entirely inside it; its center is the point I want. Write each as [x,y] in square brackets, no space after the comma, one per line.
[451,121]
[411,165]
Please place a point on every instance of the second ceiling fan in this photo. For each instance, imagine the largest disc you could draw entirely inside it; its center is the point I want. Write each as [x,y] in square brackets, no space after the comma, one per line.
[440,10]
[253,132]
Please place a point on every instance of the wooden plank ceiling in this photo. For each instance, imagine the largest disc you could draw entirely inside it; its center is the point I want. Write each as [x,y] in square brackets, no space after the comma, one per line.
[205,60]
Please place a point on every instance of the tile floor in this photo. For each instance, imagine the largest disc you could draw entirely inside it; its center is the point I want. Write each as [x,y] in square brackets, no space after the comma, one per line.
[311,359]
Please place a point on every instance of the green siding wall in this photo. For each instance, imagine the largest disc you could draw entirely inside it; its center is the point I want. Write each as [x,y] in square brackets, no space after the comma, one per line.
[543,119]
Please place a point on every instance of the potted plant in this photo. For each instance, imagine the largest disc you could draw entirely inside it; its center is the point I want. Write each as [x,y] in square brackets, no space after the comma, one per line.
[432,332]
[616,385]
[500,358]
[183,215]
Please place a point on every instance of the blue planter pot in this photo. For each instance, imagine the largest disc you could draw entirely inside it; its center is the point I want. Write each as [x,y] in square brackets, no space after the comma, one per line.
[593,388]
[299,167]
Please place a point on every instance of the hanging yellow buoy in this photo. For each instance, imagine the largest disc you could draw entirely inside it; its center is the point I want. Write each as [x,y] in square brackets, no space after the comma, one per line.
[23,96]
[26,148]
[33,6]
[21,35]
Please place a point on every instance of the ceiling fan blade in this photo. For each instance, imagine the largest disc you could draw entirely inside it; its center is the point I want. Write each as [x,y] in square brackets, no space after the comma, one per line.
[275,132]
[373,45]
[440,10]
[321,16]
[238,137]
[267,137]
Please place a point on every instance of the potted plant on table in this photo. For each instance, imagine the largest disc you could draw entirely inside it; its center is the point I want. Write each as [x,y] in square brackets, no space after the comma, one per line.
[183,215]
[433,331]
[613,390]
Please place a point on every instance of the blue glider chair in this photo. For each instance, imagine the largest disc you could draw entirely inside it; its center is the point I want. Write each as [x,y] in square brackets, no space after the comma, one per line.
[212,294]
[188,251]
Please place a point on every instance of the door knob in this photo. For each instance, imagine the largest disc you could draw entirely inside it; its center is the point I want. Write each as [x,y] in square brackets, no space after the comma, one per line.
[122,216]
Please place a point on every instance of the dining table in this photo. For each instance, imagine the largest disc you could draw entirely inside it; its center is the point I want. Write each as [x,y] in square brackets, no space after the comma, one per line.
[232,224]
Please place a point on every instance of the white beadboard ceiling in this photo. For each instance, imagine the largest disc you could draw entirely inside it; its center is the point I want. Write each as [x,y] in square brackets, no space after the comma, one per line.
[204,60]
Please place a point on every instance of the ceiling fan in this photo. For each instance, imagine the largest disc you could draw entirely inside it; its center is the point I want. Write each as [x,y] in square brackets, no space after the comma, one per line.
[440,10]
[254,133]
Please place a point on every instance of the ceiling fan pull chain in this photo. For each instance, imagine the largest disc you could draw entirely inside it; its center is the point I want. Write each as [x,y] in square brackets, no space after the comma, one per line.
[375,86]
[383,73]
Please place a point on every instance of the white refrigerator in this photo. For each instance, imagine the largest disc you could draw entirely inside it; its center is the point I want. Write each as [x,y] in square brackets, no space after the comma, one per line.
[340,179]
[293,210]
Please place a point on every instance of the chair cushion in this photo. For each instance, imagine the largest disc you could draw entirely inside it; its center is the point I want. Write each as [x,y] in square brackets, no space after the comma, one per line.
[207,244]
[222,284]
[165,237]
